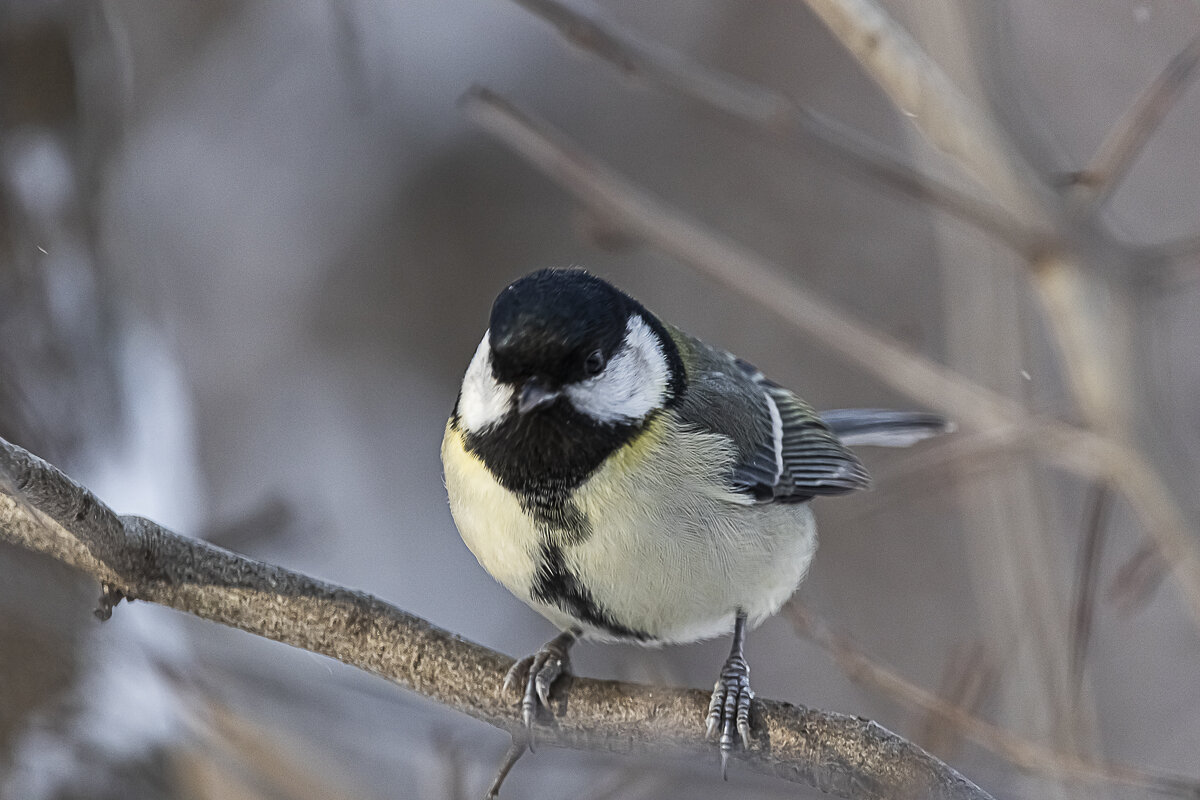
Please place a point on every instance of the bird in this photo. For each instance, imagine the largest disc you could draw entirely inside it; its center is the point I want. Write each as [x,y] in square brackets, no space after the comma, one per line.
[632,483]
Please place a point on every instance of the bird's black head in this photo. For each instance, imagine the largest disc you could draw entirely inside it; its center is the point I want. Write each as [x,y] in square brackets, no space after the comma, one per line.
[559,326]
[571,369]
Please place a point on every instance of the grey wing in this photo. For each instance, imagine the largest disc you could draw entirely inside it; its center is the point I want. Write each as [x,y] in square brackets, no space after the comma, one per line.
[811,459]
[786,451]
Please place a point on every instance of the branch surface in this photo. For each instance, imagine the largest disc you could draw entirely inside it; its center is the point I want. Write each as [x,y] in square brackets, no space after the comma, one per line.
[43,510]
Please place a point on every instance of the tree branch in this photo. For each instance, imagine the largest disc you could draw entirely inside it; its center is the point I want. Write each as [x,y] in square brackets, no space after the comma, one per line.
[1026,755]
[1083,609]
[1128,137]
[41,509]
[919,87]
[778,116]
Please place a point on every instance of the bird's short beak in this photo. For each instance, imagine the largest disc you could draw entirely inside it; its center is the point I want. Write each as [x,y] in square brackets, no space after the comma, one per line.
[535,394]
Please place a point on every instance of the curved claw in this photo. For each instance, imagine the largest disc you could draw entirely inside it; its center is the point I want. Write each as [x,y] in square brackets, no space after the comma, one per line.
[537,675]
[551,670]
[529,701]
[714,710]
[729,709]
[743,716]
[517,672]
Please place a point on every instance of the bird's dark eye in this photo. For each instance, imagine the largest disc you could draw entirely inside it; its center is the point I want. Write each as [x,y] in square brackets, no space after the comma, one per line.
[594,363]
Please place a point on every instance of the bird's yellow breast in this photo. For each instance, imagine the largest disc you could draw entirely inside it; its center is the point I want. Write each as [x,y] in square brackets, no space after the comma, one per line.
[489,517]
[670,550]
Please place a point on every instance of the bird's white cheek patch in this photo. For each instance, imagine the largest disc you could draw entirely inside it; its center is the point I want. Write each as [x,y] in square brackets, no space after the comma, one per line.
[484,401]
[634,382]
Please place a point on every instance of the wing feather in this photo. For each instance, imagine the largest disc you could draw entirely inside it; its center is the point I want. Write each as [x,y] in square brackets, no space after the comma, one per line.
[813,461]
[785,452]
[788,453]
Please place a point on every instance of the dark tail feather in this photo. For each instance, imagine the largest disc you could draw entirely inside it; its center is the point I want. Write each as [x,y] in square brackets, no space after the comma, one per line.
[883,428]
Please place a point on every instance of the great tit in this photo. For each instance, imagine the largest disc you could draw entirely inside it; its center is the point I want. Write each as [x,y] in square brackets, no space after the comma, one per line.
[632,483]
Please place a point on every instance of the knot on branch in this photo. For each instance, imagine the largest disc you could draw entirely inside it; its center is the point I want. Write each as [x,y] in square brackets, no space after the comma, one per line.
[146,560]
[110,596]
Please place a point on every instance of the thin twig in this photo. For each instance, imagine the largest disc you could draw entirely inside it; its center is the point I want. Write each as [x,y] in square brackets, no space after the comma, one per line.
[1128,137]
[1084,319]
[1143,490]
[1068,292]
[778,116]
[970,677]
[1020,752]
[848,756]
[927,96]
[1138,578]
[516,749]
[259,758]
[1090,550]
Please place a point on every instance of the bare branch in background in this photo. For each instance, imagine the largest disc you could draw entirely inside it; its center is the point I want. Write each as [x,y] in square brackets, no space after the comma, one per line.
[1138,578]
[1067,291]
[774,114]
[1128,137]
[969,679]
[43,510]
[1020,752]
[236,755]
[1086,316]
[1087,575]
[919,88]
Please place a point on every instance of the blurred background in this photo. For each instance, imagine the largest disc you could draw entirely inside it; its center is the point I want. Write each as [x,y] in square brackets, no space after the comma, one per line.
[248,248]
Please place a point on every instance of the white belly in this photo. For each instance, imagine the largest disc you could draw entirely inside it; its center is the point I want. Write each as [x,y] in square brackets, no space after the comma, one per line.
[671,552]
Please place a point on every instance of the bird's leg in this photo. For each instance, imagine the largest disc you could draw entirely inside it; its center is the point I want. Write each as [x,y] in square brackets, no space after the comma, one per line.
[538,673]
[729,709]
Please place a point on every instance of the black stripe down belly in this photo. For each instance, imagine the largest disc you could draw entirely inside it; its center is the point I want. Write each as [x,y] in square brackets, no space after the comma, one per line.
[542,459]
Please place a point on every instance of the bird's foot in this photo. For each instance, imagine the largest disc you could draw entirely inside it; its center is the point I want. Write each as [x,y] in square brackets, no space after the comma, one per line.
[538,674]
[729,709]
